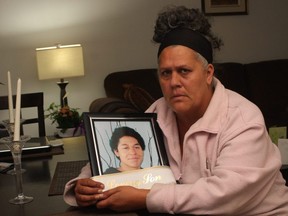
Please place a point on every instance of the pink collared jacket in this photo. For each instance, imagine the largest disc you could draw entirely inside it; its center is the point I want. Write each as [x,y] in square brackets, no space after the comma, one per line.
[229,164]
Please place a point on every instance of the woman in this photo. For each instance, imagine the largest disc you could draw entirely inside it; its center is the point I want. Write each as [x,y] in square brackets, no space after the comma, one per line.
[128,146]
[216,140]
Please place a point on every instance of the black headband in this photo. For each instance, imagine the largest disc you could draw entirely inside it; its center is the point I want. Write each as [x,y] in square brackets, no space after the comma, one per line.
[189,38]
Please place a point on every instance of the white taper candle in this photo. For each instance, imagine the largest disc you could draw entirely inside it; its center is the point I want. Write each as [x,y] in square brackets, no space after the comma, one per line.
[17,112]
[10,99]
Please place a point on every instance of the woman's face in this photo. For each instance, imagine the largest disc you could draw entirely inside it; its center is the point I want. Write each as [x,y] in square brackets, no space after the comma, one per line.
[185,83]
[130,153]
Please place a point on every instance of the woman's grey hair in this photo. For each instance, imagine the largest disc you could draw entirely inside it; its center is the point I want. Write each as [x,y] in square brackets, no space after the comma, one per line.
[174,17]
[203,61]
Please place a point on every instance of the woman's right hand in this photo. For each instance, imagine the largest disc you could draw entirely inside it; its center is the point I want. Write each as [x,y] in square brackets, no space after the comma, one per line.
[88,192]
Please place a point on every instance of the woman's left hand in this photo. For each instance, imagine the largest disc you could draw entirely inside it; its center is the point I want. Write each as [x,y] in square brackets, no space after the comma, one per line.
[124,198]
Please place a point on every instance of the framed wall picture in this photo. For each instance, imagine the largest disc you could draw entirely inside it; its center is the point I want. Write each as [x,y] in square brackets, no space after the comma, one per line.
[224,7]
[108,155]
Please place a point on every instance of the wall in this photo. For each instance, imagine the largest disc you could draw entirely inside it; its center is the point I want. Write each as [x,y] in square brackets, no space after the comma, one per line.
[116,35]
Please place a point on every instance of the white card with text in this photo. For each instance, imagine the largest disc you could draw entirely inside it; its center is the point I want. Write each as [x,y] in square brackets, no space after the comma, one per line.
[141,178]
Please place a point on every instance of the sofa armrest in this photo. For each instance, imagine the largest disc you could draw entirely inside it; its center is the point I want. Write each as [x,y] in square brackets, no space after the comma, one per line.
[112,105]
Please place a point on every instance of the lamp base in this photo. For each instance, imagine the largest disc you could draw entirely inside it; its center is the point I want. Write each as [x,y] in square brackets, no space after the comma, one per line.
[63,96]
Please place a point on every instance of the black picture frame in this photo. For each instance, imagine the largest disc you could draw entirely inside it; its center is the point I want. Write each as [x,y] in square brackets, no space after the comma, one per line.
[99,128]
[224,7]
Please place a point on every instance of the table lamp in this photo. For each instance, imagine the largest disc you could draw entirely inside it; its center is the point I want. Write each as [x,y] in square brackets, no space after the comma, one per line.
[59,62]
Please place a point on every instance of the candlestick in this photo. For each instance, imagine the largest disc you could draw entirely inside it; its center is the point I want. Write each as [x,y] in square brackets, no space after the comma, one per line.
[10,99]
[15,148]
[17,112]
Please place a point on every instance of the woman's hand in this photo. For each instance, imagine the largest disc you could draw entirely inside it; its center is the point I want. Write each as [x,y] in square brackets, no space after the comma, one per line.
[88,192]
[123,198]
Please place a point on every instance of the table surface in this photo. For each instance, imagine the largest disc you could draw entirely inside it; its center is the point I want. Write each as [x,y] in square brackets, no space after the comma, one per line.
[36,182]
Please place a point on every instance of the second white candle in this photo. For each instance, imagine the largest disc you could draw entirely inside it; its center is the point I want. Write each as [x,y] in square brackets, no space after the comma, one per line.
[17,112]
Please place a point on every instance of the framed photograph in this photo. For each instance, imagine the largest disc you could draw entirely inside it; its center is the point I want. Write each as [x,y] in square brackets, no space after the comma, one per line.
[224,7]
[116,142]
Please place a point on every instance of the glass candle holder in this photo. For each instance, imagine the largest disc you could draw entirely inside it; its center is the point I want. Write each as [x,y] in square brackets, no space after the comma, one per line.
[15,148]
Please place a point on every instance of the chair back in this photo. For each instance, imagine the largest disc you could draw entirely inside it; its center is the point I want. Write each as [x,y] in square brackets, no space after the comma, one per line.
[28,101]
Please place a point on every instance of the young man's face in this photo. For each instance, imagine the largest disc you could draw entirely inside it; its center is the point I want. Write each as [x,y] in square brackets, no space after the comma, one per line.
[130,153]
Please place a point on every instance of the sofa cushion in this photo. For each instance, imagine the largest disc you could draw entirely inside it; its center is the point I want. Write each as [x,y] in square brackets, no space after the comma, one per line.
[111,105]
[137,96]
[269,89]
[143,78]
[233,76]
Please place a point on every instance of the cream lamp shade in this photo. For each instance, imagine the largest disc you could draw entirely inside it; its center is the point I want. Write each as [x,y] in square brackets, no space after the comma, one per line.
[60,62]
